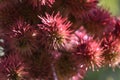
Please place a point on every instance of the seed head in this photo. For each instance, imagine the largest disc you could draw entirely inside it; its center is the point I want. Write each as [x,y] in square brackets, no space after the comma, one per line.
[98,21]
[12,68]
[54,30]
[111,49]
[22,38]
[88,51]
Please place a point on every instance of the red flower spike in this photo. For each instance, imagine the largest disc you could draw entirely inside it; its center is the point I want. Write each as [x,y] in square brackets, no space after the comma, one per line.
[12,68]
[88,52]
[22,38]
[55,30]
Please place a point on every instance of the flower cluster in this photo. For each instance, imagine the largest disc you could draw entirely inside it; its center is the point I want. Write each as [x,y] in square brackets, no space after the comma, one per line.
[12,68]
[56,39]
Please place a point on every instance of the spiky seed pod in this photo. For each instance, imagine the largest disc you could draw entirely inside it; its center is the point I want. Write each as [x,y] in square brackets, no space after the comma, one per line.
[111,57]
[22,38]
[98,21]
[54,31]
[87,52]
[111,49]
[37,3]
[12,68]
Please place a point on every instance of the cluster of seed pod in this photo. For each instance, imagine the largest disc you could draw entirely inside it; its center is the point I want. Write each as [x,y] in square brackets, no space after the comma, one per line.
[56,39]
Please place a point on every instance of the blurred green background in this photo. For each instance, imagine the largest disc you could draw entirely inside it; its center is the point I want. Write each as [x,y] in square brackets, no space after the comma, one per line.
[106,73]
[112,5]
